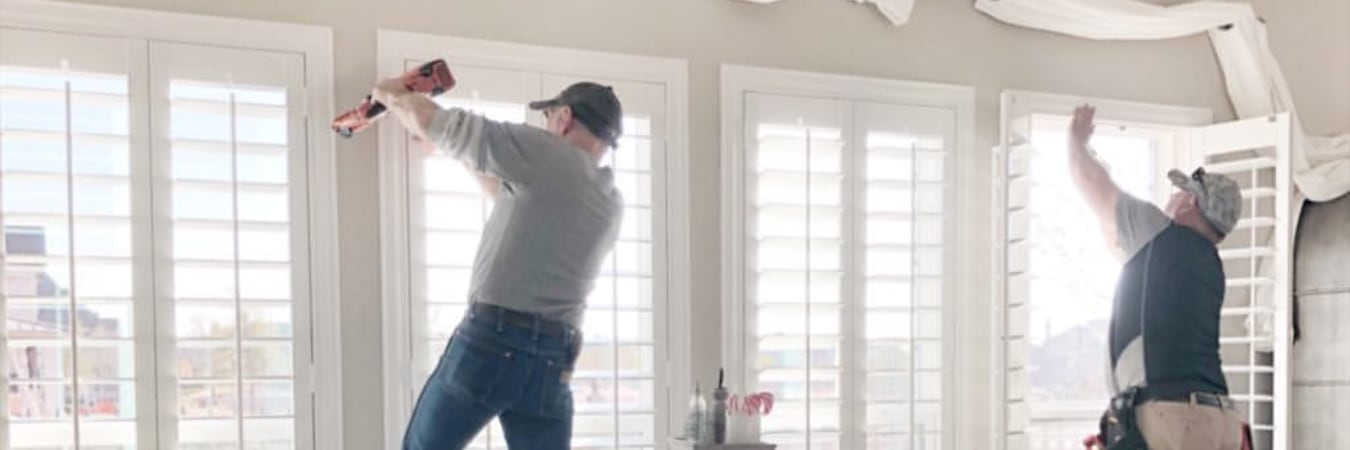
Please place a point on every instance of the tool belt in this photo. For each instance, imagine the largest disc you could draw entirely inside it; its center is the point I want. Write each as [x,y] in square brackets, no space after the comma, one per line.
[1118,428]
[1198,398]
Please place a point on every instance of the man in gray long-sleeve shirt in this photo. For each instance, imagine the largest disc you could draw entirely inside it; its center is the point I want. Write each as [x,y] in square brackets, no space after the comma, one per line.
[556,217]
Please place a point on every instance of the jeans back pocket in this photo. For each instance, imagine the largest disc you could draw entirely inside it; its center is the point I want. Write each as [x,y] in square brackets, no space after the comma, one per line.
[555,388]
[474,369]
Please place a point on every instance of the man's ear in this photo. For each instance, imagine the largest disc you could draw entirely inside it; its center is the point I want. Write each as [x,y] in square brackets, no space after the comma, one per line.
[1191,204]
[565,118]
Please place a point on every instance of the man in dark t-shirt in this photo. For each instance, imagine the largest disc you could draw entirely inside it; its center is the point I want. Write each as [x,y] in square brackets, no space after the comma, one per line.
[1164,336]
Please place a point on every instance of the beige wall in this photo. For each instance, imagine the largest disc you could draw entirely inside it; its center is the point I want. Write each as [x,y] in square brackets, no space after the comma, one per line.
[946,41]
[1311,40]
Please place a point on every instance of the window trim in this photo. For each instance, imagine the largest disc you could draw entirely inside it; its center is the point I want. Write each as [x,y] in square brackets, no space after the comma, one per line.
[314,43]
[1014,104]
[395,47]
[737,81]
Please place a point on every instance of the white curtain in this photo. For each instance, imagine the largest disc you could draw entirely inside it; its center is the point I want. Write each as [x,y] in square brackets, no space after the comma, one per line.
[896,11]
[1255,85]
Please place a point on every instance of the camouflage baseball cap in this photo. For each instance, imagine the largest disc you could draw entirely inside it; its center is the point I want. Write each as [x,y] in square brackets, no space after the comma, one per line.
[1219,197]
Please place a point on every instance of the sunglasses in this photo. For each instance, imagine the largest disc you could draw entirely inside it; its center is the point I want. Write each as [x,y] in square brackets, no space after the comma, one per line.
[1199,176]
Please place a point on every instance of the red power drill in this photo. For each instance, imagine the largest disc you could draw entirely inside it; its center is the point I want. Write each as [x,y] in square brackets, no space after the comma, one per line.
[432,78]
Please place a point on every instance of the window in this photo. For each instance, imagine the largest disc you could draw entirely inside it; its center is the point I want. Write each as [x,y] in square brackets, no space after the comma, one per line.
[1057,292]
[622,386]
[840,286]
[155,208]
[228,218]
[66,216]
[1071,272]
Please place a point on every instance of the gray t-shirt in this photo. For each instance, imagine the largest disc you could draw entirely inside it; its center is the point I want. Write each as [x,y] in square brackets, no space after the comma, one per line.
[555,220]
[1137,223]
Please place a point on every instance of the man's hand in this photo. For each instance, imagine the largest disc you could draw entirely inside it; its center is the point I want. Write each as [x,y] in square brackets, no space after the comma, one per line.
[388,89]
[413,110]
[1093,443]
[411,82]
[1080,131]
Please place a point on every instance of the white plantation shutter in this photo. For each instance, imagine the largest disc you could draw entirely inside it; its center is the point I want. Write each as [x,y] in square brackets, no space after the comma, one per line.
[903,221]
[1255,342]
[447,210]
[620,383]
[156,245]
[795,282]
[845,219]
[451,209]
[71,274]
[617,387]
[231,246]
[1012,221]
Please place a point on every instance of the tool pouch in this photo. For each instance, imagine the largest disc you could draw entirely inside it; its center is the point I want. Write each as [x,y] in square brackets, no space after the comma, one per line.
[1118,427]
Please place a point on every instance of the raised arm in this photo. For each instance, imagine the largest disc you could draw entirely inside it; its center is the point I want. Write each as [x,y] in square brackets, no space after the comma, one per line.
[511,152]
[1092,180]
[490,185]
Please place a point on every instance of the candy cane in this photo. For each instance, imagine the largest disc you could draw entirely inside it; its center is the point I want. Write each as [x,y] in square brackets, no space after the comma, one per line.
[759,403]
[767,399]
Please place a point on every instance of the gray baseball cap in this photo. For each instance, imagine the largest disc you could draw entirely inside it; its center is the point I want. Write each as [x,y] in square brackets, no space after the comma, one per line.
[1219,197]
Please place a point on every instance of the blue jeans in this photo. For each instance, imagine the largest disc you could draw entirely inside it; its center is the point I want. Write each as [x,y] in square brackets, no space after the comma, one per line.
[499,368]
